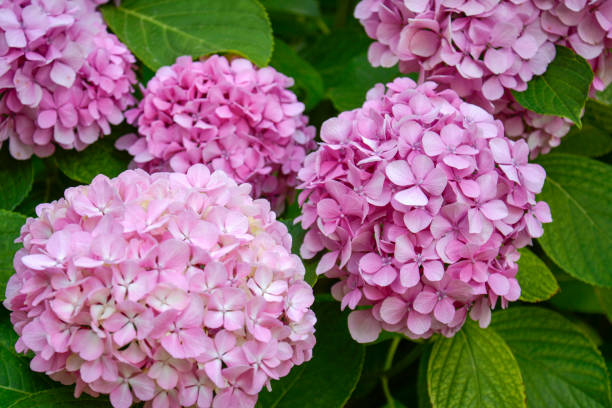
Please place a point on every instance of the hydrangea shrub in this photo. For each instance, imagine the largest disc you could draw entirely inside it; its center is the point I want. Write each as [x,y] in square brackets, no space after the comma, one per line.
[65,79]
[483,49]
[175,289]
[421,203]
[307,203]
[227,114]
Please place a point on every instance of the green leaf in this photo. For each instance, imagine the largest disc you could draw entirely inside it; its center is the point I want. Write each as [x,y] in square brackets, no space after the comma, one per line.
[158,32]
[604,295]
[373,367]
[49,185]
[297,237]
[330,377]
[396,404]
[58,398]
[562,90]
[357,79]
[423,395]
[579,240]
[331,53]
[309,8]
[605,96]
[475,368]
[17,381]
[307,79]
[575,296]
[595,137]
[536,280]
[98,158]
[17,178]
[10,226]
[560,365]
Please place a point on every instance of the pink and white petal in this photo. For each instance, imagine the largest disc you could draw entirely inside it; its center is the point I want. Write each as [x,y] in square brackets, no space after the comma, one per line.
[444,311]
[410,275]
[392,310]
[121,396]
[499,284]
[399,173]
[418,323]
[433,144]
[425,302]
[143,387]
[413,196]
[433,270]
[417,220]
[435,181]
[404,249]
[494,210]
[364,328]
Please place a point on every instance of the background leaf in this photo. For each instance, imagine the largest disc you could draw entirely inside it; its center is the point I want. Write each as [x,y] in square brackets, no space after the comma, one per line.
[423,394]
[16,180]
[158,32]
[579,240]
[562,90]
[330,377]
[575,296]
[604,295]
[536,280]
[595,137]
[356,80]
[49,184]
[17,381]
[308,8]
[10,225]
[98,158]
[475,368]
[307,80]
[59,398]
[329,54]
[297,237]
[560,365]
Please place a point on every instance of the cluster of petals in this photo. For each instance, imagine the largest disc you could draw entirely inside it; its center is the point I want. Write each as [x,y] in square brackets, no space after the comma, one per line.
[484,48]
[175,289]
[64,80]
[229,115]
[420,203]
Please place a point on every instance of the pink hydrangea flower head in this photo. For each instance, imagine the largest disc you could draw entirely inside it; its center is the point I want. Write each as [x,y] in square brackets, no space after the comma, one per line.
[229,115]
[64,79]
[175,289]
[420,203]
[484,48]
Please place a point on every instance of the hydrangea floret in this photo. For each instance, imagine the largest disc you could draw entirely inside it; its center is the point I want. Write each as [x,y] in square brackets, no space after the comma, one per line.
[420,203]
[175,289]
[229,115]
[484,48]
[64,80]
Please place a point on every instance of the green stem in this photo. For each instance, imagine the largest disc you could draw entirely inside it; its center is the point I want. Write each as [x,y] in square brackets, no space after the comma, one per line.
[384,379]
[322,26]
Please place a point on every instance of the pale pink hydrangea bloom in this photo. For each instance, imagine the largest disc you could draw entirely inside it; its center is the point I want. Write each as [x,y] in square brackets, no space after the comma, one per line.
[484,48]
[421,203]
[64,79]
[175,289]
[228,115]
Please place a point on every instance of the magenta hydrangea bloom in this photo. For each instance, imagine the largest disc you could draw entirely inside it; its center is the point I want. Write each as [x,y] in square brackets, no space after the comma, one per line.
[421,203]
[229,115]
[484,48]
[175,289]
[64,79]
